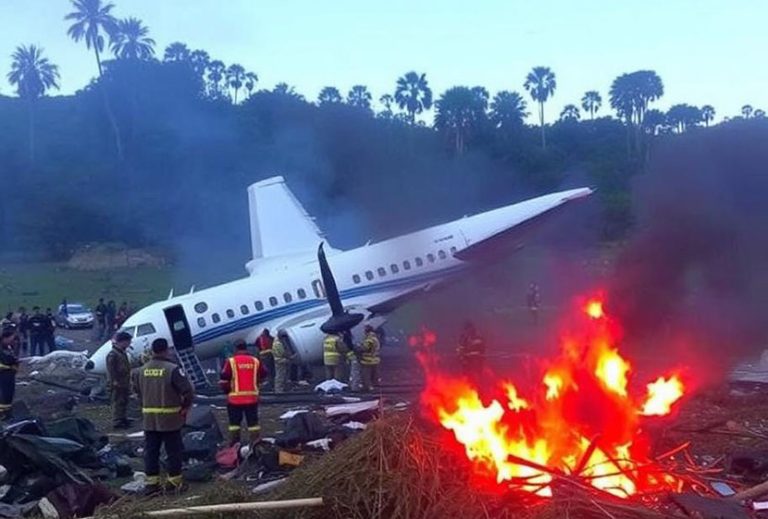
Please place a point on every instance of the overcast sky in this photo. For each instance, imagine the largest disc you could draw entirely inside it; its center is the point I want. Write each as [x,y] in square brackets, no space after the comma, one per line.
[706,51]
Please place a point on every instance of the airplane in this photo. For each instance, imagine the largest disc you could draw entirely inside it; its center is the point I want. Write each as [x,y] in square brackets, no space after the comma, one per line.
[286,286]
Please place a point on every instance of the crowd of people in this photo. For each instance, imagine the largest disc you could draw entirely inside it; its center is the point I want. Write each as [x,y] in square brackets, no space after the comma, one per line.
[109,318]
[33,333]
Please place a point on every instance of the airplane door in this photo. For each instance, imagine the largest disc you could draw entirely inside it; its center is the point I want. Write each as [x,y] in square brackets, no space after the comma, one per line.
[181,335]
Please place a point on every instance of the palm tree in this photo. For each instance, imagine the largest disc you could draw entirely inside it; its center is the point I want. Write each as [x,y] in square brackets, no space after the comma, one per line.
[707,114]
[570,113]
[508,109]
[591,102]
[93,20]
[459,111]
[287,90]
[329,95]
[235,78]
[132,41]
[746,111]
[216,70]
[759,114]
[413,94]
[654,122]
[250,82]
[387,100]
[199,60]
[359,97]
[683,117]
[541,84]
[176,51]
[33,75]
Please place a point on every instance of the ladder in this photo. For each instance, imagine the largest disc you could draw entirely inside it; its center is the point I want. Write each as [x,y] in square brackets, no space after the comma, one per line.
[190,363]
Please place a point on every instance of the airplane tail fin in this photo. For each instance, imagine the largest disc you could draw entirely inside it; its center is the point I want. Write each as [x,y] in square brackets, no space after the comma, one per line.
[280,226]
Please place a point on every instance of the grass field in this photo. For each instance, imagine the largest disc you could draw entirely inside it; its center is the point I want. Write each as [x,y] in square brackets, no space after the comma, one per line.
[46,284]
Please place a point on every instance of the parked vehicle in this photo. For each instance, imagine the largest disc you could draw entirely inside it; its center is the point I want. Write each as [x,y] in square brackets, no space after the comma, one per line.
[75,315]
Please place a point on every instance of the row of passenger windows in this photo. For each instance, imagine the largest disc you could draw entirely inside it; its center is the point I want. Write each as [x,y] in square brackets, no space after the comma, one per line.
[288,297]
[394,268]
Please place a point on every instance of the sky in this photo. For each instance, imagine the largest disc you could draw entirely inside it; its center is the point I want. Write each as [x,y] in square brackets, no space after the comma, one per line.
[706,51]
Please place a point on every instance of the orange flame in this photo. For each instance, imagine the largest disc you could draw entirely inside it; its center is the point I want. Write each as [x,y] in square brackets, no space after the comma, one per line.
[582,419]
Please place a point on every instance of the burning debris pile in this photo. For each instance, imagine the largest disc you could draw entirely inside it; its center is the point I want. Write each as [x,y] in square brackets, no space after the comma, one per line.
[585,422]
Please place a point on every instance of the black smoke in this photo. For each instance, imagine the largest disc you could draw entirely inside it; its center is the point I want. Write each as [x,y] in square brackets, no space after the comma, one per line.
[694,276]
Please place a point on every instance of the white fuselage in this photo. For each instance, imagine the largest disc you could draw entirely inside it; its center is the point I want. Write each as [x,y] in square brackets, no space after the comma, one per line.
[291,294]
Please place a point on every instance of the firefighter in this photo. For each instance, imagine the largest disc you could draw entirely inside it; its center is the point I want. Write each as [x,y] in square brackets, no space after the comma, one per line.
[166,396]
[266,355]
[37,326]
[333,348]
[533,300]
[240,378]
[8,366]
[471,350]
[282,357]
[370,358]
[119,379]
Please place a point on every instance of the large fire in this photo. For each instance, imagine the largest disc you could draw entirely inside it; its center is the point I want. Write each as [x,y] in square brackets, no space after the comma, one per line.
[584,418]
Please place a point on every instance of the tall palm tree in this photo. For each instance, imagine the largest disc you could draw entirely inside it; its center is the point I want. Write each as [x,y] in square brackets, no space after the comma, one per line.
[132,40]
[329,95]
[250,82]
[591,102]
[570,113]
[707,114]
[508,109]
[235,78]
[92,21]
[216,71]
[541,84]
[199,60]
[460,110]
[746,111]
[360,97]
[33,75]
[413,94]
[176,51]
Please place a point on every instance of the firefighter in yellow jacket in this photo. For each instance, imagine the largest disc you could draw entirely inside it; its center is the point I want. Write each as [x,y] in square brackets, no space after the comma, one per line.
[370,358]
[166,396]
[334,353]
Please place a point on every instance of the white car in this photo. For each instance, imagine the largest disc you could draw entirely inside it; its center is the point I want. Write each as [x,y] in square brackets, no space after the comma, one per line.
[76,315]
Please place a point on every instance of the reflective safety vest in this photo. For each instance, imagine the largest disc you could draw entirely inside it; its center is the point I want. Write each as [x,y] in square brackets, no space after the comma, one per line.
[244,387]
[331,353]
[164,393]
[370,349]
[472,346]
[278,351]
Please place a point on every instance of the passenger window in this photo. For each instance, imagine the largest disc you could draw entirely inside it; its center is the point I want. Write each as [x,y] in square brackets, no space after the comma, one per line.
[407,265]
[453,250]
[317,287]
[259,306]
[244,310]
[368,275]
[230,313]
[419,262]
[394,268]
[201,308]
[287,297]
[441,254]
[382,271]
[201,322]
[145,329]
[302,293]
[273,301]
[356,279]
[215,318]
[431,257]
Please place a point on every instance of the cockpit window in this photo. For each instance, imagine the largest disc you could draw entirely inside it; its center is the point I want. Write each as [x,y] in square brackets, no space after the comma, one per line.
[145,329]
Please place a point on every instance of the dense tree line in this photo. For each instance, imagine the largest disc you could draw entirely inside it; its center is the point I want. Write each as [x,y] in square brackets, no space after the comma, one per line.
[159,150]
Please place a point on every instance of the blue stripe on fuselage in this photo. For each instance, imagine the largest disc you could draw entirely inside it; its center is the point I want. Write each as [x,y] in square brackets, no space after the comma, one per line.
[262,317]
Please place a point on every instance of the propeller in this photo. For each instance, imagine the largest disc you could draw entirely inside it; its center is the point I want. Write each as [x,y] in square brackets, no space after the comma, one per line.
[340,321]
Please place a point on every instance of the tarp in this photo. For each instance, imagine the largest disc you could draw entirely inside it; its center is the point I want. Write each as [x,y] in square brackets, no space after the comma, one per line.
[77,429]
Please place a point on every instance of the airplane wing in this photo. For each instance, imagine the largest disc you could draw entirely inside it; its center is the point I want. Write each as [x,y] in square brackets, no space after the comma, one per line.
[513,238]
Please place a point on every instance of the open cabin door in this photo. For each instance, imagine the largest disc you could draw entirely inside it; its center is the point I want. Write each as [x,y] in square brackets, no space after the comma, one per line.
[181,335]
